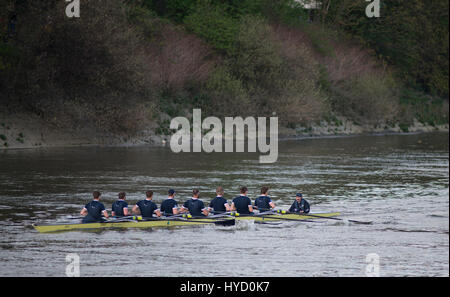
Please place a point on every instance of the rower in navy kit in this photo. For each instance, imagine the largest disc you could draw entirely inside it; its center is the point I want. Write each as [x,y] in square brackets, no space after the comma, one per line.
[120,207]
[94,210]
[169,206]
[195,206]
[242,204]
[300,205]
[264,203]
[147,207]
[219,204]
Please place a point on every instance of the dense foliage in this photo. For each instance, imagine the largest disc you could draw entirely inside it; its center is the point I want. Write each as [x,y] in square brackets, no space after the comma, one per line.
[412,35]
[124,64]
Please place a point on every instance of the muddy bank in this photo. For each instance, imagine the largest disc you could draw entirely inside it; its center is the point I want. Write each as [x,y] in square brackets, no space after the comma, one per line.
[30,131]
[346,127]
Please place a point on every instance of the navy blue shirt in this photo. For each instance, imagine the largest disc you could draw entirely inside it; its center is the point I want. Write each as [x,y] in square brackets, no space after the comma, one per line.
[242,203]
[147,208]
[302,206]
[118,207]
[262,202]
[94,209]
[168,205]
[218,204]
[195,207]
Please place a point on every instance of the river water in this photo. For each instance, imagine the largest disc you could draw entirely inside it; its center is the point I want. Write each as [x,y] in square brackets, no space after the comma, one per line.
[399,182]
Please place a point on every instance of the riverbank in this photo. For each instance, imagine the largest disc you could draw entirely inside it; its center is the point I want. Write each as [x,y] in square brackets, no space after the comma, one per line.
[29,131]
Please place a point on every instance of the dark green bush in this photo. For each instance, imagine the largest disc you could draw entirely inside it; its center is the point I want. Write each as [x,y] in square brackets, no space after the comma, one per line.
[213,24]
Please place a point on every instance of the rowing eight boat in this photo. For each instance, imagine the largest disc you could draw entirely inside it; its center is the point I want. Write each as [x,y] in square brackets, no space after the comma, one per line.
[168,222]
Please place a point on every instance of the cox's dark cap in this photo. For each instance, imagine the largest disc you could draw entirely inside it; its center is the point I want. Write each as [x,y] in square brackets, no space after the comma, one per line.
[299,195]
[171,192]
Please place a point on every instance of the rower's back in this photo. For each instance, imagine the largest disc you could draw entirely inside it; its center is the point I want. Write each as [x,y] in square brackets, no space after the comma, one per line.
[120,207]
[263,203]
[242,204]
[147,208]
[219,204]
[94,210]
[195,207]
[169,206]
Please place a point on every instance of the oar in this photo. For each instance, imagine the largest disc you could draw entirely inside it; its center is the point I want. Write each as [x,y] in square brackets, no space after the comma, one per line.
[124,217]
[227,222]
[219,213]
[323,217]
[74,218]
[189,216]
[271,215]
[261,210]
[268,223]
[289,219]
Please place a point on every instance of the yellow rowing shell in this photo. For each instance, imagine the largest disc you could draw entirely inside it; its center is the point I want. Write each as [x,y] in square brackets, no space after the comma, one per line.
[174,222]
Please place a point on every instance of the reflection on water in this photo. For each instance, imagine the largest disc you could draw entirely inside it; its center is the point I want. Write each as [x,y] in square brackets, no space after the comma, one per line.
[399,182]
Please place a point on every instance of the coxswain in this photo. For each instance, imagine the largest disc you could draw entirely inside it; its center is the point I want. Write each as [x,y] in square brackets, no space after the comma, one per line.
[120,207]
[242,204]
[300,205]
[94,210]
[264,203]
[169,206]
[146,208]
[219,204]
[195,206]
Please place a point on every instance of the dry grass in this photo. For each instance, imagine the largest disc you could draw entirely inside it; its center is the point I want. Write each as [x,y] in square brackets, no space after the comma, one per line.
[363,87]
[357,85]
[348,62]
[177,58]
[303,101]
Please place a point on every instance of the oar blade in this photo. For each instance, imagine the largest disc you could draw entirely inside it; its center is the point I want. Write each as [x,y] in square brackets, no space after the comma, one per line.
[361,222]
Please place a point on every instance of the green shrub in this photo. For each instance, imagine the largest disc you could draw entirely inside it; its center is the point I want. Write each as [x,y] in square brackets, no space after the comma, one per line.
[255,60]
[426,109]
[9,56]
[404,127]
[213,24]
[412,35]
[279,74]
[225,95]
[175,10]
[289,12]
[145,21]
[369,98]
